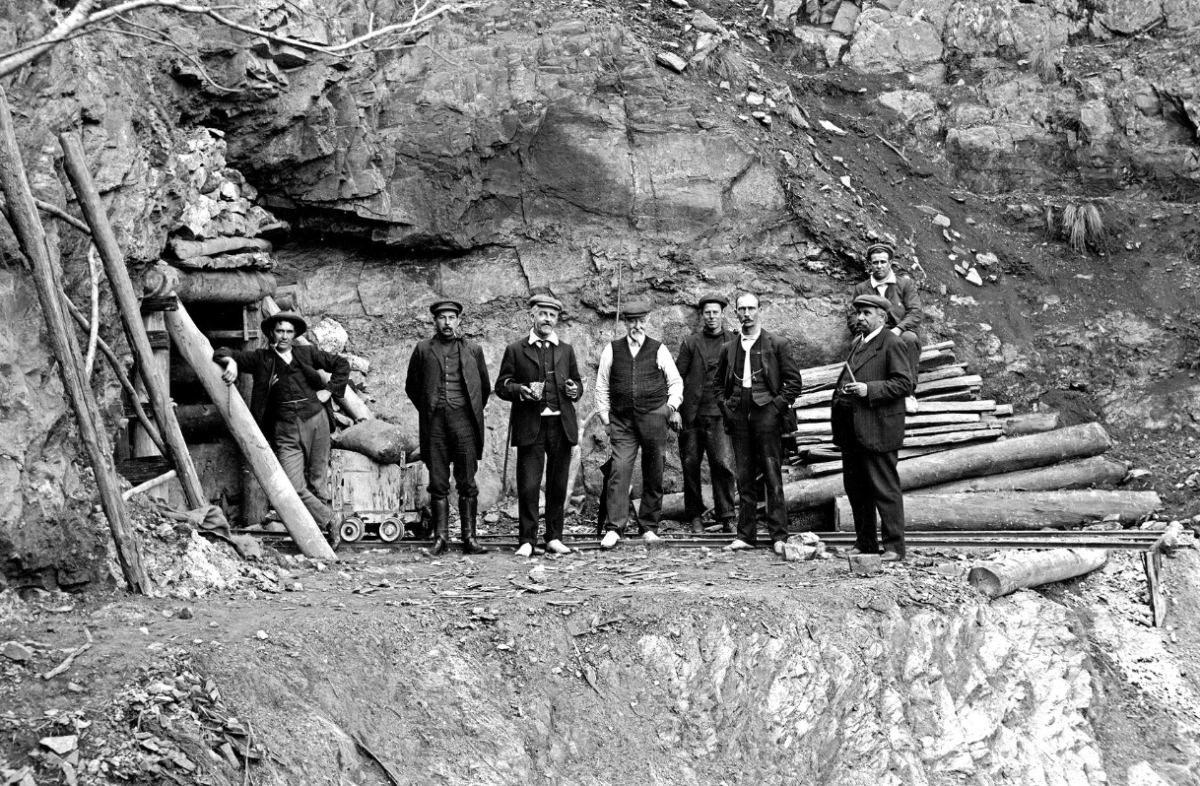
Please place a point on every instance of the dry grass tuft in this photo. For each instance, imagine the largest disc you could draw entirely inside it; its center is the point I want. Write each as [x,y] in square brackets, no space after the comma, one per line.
[1081,225]
[1044,59]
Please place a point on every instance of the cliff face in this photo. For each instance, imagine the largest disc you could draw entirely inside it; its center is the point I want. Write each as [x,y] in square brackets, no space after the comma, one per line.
[527,147]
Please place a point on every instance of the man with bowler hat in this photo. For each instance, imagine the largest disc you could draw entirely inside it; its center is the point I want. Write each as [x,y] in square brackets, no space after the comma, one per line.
[905,314]
[702,430]
[638,393]
[288,402]
[868,425]
[449,385]
[538,374]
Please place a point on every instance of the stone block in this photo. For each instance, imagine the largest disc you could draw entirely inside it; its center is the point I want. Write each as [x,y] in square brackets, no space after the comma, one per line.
[795,552]
[865,564]
[845,19]
[15,650]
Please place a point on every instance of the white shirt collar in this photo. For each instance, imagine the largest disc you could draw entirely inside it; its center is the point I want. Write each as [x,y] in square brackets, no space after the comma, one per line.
[634,342]
[867,338]
[891,279]
[534,338]
[287,356]
[750,339]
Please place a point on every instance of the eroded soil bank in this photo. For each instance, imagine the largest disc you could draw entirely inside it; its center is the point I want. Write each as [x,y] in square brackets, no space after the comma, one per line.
[637,667]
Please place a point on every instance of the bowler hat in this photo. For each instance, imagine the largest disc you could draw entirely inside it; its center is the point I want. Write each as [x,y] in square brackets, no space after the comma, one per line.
[636,308]
[883,246]
[545,301]
[445,305]
[268,325]
[712,298]
[873,300]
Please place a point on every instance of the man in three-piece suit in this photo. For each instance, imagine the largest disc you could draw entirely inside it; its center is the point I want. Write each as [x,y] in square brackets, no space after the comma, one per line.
[288,402]
[904,304]
[540,377]
[756,383]
[448,383]
[868,426]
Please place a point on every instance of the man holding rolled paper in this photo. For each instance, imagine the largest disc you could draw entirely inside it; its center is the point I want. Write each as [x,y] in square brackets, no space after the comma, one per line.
[539,375]
[868,426]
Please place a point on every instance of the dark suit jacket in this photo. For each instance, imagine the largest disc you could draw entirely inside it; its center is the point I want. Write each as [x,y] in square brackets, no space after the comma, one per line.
[905,313]
[780,372]
[694,371]
[876,422]
[260,365]
[423,385]
[520,366]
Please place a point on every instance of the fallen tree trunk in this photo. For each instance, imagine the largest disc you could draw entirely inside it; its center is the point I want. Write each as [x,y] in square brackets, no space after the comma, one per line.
[1033,569]
[1005,510]
[993,458]
[379,441]
[216,286]
[187,249]
[196,350]
[1082,474]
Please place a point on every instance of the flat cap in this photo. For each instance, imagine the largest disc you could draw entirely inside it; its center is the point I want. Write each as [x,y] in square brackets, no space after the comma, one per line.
[883,246]
[268,324]
[873,300]
[545,301]
[445,305]
[638,307]
[712,297]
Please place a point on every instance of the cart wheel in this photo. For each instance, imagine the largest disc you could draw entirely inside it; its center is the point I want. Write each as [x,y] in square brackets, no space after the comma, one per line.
[390,530]
[352,529]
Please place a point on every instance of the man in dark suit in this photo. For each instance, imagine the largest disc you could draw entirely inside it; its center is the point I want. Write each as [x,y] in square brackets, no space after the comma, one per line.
[539,376]
[757,382]
[448,382]
[288,402]
[904,304]
[868,425]
[703,427]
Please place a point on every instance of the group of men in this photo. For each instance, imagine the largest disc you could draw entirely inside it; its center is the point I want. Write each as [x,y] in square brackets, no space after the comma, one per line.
[728,394]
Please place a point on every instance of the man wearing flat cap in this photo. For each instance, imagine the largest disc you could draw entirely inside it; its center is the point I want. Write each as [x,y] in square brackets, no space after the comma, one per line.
[756,383]
[449,385]
[288,402]
[538,374]
[904,304]
[868,426]
[638,393]
[702,428]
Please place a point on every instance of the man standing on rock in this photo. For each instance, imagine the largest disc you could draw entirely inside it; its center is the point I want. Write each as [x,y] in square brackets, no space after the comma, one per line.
[703,428]
[868,425]
[756,383]
[288,402]
[904,305]
[638,392]
[540,377]
[449,385]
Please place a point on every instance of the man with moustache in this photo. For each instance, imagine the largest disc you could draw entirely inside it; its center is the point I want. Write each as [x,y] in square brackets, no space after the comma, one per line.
[868,425]
[638,392]
[904,309]
[538,374]
[288,403]
[756,383]
[702,430]
[449,385]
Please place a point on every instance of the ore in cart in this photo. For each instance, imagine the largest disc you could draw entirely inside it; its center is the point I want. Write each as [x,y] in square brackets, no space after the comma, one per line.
[381,501]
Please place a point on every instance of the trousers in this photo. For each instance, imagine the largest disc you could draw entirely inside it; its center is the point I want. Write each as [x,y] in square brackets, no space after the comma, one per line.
[629,433]
[707,437]
[758,449]
[452,441]
[303,450]
[551,453]
[872,484]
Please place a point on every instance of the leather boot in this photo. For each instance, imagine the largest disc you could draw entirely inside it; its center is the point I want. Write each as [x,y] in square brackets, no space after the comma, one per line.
[468,510]
[440,510]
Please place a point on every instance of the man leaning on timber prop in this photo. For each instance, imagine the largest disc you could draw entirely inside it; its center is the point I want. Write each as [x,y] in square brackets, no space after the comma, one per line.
[756,383]
[702,430]
[540,377]
[904,305]
[289,402]
[868,426]
[638,392]
[449,385]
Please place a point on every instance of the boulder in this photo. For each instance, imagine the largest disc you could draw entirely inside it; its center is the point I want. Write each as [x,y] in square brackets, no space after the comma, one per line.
[884,43]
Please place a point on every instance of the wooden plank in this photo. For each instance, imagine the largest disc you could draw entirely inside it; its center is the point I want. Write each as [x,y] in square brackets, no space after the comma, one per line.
[22,215]
[946,439]
[127,306]
[1152,565]
[951,428]
[945,372]
[954,383]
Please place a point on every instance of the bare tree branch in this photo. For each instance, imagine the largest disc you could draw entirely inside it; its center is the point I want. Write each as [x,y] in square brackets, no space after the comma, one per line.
[72,22]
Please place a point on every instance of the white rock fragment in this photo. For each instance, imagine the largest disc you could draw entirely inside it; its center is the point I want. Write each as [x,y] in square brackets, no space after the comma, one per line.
[831,128]
[671,60]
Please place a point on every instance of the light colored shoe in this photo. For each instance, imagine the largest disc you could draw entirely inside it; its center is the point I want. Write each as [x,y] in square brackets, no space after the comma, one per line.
[525,550]
[911,405]
[557,547]
[610,539]
[738,545]
[779,544]
[650,537]
[891,556]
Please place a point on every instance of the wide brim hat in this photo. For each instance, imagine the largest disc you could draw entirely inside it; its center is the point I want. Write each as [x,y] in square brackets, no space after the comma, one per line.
[636,308]
[445,305]
[268,324]
[873,300]
[546,301]
[720,300]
